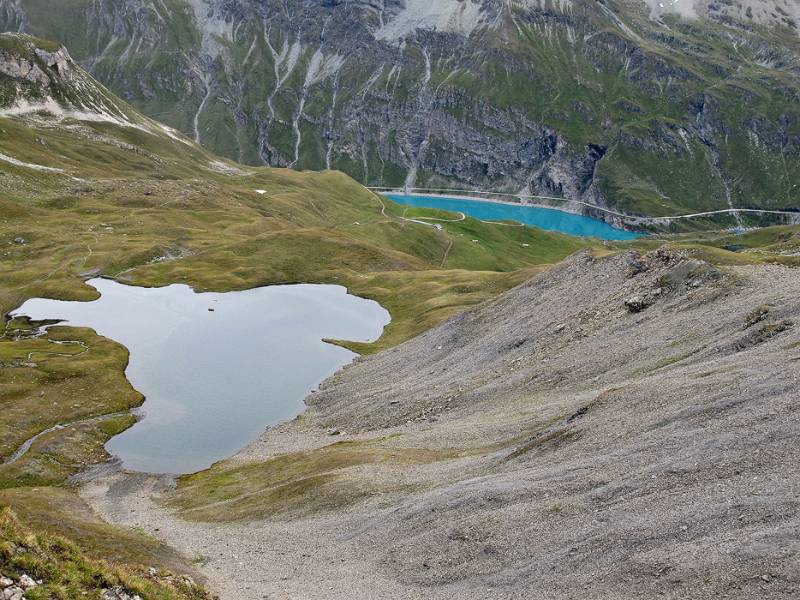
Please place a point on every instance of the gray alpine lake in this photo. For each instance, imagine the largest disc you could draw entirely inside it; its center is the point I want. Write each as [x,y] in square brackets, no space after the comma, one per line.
[216,369]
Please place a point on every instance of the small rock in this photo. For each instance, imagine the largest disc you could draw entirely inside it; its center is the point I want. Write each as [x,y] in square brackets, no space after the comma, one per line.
[636,304]
[765,577]
[636,266]
[560,328]
[334,432]
[394,401]
[19,240]
[5,581]
[756,315]
[152,572]
[118,593]
[12,593]
[26,582]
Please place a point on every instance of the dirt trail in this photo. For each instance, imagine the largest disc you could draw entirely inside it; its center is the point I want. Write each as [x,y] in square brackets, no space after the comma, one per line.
[26,445]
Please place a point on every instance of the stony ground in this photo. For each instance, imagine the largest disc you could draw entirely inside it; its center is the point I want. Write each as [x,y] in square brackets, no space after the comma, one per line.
[579,446]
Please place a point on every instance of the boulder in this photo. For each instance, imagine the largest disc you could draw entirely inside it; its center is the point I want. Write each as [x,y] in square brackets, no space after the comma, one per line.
[119,593]
[636,304]
[26,582]
[13,592]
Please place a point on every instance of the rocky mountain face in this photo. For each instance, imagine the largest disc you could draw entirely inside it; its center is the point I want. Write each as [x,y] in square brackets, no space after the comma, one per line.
[37,75]
[39,80]
[652,107]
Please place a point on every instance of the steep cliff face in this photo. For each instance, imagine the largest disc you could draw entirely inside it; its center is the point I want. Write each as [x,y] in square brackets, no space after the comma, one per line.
[650,107]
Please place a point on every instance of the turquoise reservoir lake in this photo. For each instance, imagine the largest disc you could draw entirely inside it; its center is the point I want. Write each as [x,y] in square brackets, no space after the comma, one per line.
[543,218]
[216,369]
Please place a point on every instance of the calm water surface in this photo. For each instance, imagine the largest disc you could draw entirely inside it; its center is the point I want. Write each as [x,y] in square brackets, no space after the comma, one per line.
[213,380]
[543,218]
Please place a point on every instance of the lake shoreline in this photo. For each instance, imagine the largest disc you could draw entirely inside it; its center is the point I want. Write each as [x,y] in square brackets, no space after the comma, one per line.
[212,399]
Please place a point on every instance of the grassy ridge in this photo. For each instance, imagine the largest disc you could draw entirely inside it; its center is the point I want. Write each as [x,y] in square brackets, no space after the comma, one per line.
[290,484]
[66,571]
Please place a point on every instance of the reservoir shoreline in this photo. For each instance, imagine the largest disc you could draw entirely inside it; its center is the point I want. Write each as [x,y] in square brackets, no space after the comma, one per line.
[542,217]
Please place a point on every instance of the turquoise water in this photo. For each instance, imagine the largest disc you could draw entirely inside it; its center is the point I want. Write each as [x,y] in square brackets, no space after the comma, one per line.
[543,218]
[216,369]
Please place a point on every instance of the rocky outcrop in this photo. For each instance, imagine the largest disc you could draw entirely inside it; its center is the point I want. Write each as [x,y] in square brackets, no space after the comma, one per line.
[40,77]
[118,593]
[15,590]
[17,67]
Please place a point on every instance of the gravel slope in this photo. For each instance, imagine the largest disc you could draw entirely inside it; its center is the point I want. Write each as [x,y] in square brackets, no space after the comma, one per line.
[600,452]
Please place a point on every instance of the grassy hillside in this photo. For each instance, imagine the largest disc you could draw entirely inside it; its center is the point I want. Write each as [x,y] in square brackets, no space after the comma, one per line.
[66,571]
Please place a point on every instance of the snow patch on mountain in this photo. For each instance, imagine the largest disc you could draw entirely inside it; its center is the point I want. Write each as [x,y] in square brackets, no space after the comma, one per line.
[685,8]
[173,134]
[50,107]
[558,5]
[27,165]
[449,16]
